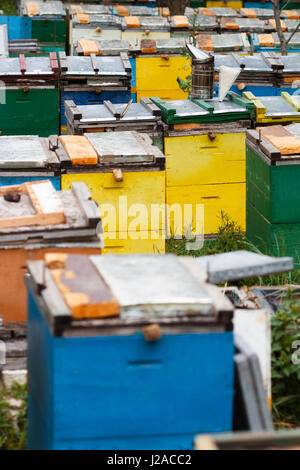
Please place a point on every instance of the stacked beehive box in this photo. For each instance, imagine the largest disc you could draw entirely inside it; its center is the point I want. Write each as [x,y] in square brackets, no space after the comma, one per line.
[29,88]
[204,145]
[36,219]
[93,79]
[189,349]
[273,165]
[49,24]
[126,176]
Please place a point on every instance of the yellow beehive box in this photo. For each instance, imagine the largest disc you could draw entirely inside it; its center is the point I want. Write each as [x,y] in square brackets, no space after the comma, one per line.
[205,163]
[129,185]
[157,76]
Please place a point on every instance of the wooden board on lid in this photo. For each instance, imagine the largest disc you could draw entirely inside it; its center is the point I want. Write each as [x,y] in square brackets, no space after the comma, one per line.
[282,139]
[82,287]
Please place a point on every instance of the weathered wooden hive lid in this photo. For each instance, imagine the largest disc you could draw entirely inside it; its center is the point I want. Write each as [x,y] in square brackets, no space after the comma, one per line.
[223,11]
[95,66]
[102,47]
[29,67]
[233,107]
[113,113]
[123,147]
[163,46]
[153,285]
[150,23]
[46,9]
[104,21]
[23,152]
[89,9]
[131,10]
[277,142]
[118,294]
[263,12]
[3,41]
[223,42]
[247,63]
[291,62]
[272,40]
[36,207]
[202,22]
[242,264]
[285,105]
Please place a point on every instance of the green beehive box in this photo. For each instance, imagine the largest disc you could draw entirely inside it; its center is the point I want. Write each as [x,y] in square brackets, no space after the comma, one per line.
[49,24]
[273,239]
[273,196]
[29,95]
[49,30]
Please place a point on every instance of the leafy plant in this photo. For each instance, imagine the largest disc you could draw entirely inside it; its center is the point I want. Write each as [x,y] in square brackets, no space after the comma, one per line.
[186,84]
[13,427]
[285,372]
[8,7]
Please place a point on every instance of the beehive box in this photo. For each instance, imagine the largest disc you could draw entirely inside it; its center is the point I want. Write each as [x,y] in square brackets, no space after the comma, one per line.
[29,95]
[252,25]
[205,161]
[189,350]
[49,25]
[132,10]
[227,42]
[190,24]
[93,26]
[261,74]
[144,27]
[273,218]
[18,27]
[270,42]
[27,158]
[157,58]
[36,218]
[272,109]
[261,13]
[125,174]
[142,117]
[291,73]
[93,79]
[218,12]
[149,59]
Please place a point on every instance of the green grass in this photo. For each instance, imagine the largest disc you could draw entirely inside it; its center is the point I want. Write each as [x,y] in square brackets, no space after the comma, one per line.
[231,238]
[13,430]
[8,7]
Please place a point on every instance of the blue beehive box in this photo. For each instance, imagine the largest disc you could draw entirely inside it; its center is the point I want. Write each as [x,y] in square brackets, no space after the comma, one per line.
[150,376]
[93,80]
[27,158]
[18,27]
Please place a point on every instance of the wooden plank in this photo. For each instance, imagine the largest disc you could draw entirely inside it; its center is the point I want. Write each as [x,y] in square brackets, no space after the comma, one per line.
[63,157]
[148,104]
[79,149]
[83,289]
[51,155]
[94,63]
[111,108]
[57,311]
[126,62]
[87,205]
[45,201]
[283,140]
[63,61]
